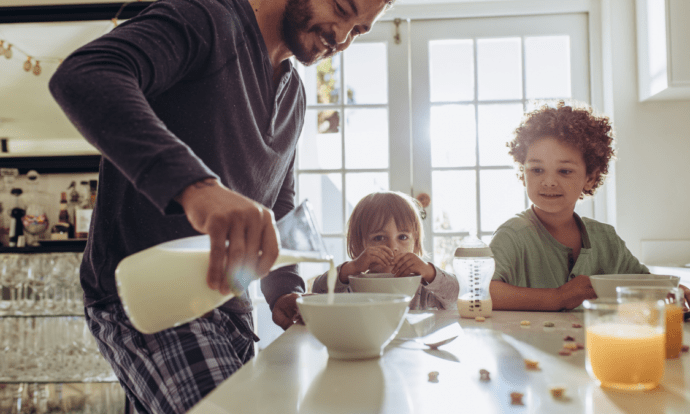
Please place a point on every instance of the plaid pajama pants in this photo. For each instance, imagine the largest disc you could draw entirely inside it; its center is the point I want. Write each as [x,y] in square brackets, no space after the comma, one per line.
[170,371]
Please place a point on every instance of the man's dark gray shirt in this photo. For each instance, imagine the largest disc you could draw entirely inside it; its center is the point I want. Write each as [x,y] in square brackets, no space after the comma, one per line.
[180,93]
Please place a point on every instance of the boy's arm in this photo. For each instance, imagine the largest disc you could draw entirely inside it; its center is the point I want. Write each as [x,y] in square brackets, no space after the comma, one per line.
[569,296]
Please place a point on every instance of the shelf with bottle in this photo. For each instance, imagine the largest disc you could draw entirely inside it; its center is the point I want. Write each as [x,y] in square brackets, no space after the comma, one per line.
[27,211]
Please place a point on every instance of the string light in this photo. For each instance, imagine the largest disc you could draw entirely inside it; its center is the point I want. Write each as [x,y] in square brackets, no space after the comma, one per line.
[35,68]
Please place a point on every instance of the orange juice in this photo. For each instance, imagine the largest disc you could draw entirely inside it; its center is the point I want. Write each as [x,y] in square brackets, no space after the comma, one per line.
[625,356]
[674,330]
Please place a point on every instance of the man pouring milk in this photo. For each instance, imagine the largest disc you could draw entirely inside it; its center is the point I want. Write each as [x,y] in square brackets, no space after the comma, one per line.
[196,110]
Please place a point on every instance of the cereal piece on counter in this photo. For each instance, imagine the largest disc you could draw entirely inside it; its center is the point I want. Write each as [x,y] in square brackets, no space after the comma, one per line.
[570,345]
[480,319]
[531,364]
[557,392]
[577,325]
[484,375]
[684,348]
[525,323]
[549,324]
[433,376]
[580,346]
[564,352]
[568,338]
[516,398]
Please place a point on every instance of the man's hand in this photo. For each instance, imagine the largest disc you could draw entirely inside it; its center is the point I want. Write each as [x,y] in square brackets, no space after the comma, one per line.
[243,233]
[285,311]
[574,292]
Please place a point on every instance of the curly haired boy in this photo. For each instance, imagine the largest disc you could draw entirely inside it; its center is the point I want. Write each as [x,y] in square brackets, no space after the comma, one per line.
[543,254]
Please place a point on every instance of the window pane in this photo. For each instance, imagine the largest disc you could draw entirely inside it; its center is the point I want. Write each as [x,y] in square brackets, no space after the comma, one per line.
[453,137]
[366,73]
[366,138]
[455,201]
[496,125]
[499,68]
[319,145]
[321,81]
[444,249]
[451,70]
[325,193]
[547,66]
[360,184]
[502,196]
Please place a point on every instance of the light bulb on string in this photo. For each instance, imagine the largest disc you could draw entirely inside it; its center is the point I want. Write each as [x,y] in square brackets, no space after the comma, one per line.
[27,64]
[8,51]
[37,68]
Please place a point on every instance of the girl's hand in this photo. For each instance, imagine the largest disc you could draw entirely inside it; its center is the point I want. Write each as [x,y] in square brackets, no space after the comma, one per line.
[374,258]
[411,264]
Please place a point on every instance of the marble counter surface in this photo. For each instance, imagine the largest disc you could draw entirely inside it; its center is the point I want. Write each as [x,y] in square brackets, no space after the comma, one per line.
[295,375]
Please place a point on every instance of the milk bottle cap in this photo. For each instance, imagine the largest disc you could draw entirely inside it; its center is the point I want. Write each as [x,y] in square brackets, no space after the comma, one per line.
[473,247]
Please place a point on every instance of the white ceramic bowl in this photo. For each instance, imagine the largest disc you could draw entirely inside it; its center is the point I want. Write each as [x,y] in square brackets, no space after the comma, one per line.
[605,285]
[385,283]
[355,325]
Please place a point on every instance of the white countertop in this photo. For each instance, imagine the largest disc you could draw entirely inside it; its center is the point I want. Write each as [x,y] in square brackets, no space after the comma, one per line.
[295,375]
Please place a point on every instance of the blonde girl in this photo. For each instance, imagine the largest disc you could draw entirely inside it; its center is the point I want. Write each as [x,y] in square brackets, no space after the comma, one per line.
[385,235]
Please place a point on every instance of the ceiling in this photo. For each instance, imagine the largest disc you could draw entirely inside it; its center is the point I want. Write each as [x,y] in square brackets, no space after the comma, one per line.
[30,120]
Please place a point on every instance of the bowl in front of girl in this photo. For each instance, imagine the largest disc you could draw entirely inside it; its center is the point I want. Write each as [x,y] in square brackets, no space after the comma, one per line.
[385,283]
[605,285]
[355,325]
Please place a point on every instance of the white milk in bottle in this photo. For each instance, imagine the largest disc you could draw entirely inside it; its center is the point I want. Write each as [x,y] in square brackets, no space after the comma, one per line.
[165,285]
[474,267]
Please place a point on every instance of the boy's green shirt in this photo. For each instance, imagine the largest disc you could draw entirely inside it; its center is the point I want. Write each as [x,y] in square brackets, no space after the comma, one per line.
[527,255]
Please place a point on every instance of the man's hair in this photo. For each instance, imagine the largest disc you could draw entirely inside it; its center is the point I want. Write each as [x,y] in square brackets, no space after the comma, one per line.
[372,213]
[577,127]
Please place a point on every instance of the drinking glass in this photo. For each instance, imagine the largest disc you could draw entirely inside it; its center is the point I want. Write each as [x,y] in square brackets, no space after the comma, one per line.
[673,298]
[625,343]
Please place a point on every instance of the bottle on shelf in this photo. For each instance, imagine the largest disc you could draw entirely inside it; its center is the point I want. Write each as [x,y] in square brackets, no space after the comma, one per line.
[6,203]
[16,234]
[83,212]
[35,218]
[63,229]
[73,201]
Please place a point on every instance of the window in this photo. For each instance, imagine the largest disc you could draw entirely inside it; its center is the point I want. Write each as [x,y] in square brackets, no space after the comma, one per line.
[432,115]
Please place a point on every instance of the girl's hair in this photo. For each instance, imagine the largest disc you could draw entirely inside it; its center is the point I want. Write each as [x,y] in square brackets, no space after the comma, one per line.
[372,213]
[577,127]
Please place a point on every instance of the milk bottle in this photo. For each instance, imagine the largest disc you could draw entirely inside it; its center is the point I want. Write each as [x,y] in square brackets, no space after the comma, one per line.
[165,285]
[474,267]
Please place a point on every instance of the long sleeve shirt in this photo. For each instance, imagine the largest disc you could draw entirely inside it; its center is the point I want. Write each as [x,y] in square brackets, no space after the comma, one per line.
[180,93]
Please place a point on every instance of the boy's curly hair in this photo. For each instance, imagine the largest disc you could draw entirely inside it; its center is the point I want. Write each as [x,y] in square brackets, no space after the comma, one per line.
[577,127]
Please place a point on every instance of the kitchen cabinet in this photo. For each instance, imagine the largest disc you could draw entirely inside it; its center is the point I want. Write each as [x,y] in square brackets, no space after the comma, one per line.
[663,50]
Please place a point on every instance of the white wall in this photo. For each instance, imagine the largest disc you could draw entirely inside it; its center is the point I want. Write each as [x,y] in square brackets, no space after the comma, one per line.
[652,181]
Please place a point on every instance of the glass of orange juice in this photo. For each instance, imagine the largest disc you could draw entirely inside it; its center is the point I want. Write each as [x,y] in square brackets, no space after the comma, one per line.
[624,343]
[674,299]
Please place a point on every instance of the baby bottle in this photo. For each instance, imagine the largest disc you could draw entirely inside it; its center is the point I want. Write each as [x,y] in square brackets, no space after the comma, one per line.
[474,266]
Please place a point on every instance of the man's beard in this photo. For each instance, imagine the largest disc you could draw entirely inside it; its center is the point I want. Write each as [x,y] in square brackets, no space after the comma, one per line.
[296,18]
